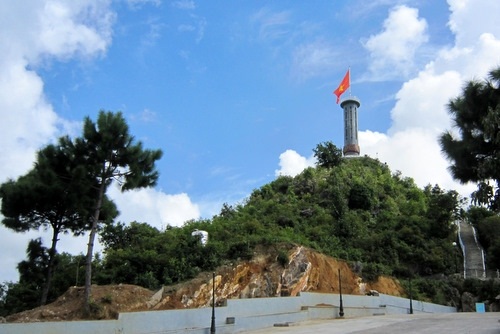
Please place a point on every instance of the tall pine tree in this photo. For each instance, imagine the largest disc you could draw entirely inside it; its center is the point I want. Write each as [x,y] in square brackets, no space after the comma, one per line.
[475,152]
[110,154]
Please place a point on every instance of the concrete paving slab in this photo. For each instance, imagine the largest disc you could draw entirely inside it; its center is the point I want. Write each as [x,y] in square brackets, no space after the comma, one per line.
[474,323]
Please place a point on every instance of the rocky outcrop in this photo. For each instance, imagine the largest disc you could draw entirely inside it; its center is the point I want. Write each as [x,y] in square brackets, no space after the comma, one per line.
[263,276]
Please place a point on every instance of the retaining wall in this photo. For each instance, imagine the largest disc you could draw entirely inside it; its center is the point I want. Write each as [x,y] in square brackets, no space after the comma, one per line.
[237,316]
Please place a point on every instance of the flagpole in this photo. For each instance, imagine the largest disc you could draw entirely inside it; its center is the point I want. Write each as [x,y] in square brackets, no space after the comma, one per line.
[350,84]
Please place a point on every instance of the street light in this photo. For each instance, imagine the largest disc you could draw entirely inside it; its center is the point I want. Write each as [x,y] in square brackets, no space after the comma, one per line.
[212,326]
[341,311]
[411,301]
[455,255]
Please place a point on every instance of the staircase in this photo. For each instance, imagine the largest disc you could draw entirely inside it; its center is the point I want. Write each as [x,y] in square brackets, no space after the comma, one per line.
[473,252]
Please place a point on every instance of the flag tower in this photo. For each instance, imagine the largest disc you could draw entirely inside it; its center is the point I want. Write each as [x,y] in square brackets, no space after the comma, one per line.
[350,106]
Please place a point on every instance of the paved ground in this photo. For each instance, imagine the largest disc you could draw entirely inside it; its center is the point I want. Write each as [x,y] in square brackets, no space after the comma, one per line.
[456,323]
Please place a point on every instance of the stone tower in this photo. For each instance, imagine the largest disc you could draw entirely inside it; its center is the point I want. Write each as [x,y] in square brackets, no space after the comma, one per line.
[350,106]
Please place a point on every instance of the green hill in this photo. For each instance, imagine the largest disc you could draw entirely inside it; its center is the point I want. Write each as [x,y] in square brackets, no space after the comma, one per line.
[354,209]
[357,211]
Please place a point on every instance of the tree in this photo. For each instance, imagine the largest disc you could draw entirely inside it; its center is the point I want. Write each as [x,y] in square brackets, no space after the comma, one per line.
[443,209]
[109,153]
[328,155]
[475,154]
[25,294]
[53,194]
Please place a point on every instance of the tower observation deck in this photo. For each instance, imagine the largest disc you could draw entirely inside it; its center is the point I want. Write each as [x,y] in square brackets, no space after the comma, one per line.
[350,106]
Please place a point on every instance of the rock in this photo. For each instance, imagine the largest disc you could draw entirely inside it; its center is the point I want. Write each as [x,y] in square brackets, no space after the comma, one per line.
[263,276]
[468,302]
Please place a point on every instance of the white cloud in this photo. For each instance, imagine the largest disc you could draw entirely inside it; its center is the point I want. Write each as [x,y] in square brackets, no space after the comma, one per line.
[27,119]
[421,101]
[314,59]
[154,207]
[393,50]
[272,25]
[31,35]
[420,114]
[186,27]
[64,30]
[55,29]
[202,23]
[291,163]
[416,153]
[184,4]
[470,19]
[136,4]
[471,61]
[198,27]
[153,35]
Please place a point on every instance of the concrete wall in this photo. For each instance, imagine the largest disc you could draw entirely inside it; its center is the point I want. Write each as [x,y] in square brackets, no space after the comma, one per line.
[248,314]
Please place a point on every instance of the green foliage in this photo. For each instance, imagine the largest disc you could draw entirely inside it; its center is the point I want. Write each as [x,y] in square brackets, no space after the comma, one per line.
[489,231]
[66,189]
[4,288]
[20,297]
[109,153]
[328,155]
[485,290]
[95,310]
[141,254]
[358,211]
[371,271]
[432,290]
[282,258]
[55,194]
[474,154]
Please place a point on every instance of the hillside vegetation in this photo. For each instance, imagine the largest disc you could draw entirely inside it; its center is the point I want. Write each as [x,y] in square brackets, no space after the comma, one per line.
[354,209]
[357,210]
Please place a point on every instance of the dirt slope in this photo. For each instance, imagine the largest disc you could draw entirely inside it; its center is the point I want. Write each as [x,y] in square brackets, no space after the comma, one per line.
[262,276]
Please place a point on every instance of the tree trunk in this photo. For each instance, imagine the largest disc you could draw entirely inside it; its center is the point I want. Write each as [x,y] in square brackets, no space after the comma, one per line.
[90,248]
[50,267]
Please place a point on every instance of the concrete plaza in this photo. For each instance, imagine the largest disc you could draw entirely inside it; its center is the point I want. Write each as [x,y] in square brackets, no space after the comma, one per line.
[443,323]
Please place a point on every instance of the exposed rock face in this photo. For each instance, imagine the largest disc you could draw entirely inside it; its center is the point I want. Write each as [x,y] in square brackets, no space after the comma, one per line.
[263,276]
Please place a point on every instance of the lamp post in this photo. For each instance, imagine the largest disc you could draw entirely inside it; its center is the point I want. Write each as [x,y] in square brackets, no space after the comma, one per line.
[212,326]
[341,310]
[411,301]
[455,255]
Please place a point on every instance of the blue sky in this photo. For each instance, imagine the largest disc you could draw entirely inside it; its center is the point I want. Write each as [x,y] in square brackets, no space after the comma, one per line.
[234,92]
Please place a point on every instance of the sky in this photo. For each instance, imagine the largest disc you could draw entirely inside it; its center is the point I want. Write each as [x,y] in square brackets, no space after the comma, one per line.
[235,93]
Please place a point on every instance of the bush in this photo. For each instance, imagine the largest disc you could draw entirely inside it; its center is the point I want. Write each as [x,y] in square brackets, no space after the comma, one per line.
[147,280]
[372,271]
[282,258]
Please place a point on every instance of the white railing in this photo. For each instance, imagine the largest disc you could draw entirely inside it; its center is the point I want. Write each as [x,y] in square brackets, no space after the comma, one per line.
[462,246]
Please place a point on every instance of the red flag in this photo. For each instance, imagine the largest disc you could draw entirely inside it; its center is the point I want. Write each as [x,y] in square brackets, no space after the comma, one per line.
[343,86]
